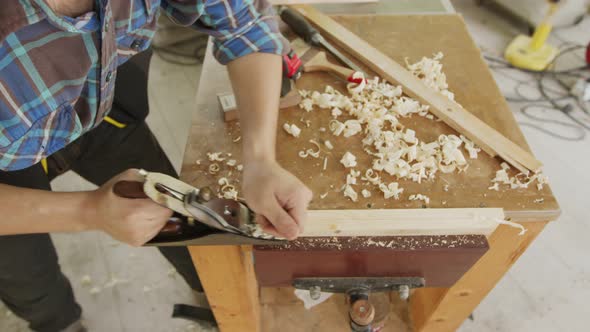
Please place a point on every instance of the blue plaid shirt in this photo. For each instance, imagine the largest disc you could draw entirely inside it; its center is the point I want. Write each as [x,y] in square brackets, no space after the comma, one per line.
[57,73]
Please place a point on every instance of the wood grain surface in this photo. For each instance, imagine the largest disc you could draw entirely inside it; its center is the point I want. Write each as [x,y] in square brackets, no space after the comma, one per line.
[400,37]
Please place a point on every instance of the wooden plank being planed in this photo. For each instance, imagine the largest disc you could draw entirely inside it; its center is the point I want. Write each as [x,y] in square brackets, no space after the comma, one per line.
[398,222]
[447,110]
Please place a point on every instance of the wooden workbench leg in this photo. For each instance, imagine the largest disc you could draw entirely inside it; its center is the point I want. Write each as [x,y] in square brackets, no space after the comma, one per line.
[445,309]
[227,275]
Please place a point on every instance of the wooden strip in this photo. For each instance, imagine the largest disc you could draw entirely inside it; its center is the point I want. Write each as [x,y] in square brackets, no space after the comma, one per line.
[227,275]
[392,222]
[376,222]
[445,309]
[449,111]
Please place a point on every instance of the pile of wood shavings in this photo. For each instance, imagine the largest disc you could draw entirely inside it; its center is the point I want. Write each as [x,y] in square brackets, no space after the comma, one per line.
[222,162]
[397,153]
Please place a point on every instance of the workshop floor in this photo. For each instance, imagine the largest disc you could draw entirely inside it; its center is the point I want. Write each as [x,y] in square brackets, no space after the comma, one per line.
[133,289]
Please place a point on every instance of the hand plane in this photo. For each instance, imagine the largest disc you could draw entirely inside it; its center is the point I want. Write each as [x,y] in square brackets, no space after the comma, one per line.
[199,217]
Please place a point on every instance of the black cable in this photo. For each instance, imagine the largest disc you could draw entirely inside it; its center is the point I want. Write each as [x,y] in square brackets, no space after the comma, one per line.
[550,97]
[566,110]
[525,110]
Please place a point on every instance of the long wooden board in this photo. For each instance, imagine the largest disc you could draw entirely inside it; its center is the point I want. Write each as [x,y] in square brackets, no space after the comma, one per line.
[370,222]
[449,111]
[393,222]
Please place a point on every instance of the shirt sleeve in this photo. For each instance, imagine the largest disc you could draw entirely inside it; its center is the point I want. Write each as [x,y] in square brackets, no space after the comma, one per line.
[238,27]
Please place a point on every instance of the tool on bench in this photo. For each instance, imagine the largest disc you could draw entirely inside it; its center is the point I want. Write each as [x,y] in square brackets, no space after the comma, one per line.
[302,28]
[292,68]
[200,218]
[317,61]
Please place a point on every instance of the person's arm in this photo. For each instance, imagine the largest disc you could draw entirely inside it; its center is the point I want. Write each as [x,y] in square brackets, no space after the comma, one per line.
[278,197]
[134,221]
[247,39]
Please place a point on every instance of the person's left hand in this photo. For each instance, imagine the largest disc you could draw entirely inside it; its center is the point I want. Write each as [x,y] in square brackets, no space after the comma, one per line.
[278,197]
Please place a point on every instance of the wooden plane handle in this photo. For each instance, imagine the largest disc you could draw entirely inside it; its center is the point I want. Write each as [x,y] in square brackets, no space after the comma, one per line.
[320,63]
[134,190]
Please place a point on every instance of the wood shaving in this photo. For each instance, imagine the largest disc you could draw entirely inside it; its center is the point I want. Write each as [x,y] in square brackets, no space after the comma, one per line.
[336,112]
[397,153]
[351,128]
[322,129]
[366,193]
[371,177]
[517,181]
[231,162]
[429,70]
[348,160]
[86,280]
[306,104]
[237,139]
[419,197]
[230,193]
[292,129]
[539,200]
[391,190]
[470,147]
[213,168]
[311,152]
[215,156]
[198,162]
[325,163]
[350,193]
[324,195]
[336,127]
[328,145]
[240,167]
[227,190]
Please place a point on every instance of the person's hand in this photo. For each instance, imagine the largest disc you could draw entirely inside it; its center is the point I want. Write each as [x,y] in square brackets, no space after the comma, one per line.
[131,220]
[277,196]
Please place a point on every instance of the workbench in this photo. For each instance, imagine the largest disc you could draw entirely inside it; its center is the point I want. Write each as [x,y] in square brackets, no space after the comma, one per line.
[228,272]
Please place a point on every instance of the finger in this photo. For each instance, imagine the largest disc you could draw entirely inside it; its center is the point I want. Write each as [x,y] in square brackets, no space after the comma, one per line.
[266,226]
[262,221]
[282,221]
[297,208]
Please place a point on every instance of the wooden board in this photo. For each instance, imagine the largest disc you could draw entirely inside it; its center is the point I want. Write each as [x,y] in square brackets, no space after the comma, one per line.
[440,260]
[392,222]
[450,112]
[408,36]
[378,222]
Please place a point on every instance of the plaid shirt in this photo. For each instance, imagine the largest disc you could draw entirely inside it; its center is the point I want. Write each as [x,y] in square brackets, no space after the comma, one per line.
[57,73]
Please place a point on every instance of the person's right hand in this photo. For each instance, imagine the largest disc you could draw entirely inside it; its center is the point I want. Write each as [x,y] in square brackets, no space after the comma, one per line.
[131,220]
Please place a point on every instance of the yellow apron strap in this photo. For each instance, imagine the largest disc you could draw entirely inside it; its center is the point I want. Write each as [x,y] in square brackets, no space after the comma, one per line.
[114,122]
[44,165]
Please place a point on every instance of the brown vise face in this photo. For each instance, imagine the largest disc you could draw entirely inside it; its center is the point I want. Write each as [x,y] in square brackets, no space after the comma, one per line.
[440,260]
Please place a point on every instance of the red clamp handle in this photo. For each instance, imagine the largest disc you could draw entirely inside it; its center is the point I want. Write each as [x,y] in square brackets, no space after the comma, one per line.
[292,65]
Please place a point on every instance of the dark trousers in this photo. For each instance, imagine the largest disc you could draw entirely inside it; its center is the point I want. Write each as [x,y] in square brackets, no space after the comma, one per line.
[31,282]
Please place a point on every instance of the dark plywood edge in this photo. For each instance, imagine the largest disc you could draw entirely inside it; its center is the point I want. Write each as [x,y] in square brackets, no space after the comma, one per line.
[441,260]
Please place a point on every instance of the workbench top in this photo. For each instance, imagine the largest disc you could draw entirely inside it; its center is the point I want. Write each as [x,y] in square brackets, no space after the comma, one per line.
[400,37]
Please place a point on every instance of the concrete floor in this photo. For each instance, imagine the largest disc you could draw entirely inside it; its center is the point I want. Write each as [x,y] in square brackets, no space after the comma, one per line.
[133,289]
